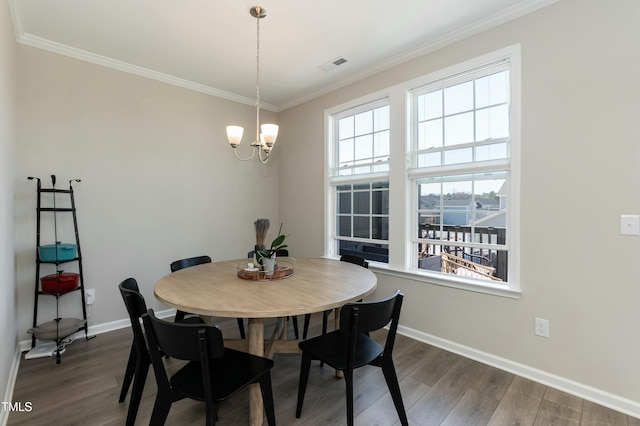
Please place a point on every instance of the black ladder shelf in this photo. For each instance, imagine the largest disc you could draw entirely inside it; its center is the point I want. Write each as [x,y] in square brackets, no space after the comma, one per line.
[56,285]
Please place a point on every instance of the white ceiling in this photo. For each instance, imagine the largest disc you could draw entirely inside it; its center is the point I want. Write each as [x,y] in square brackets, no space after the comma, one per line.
[210,45]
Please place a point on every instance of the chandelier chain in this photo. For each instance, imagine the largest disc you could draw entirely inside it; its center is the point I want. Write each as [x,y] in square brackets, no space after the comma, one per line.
[258,77]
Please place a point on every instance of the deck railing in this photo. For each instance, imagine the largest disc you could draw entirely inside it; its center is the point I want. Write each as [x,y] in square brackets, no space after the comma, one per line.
[446,236]
[444,240]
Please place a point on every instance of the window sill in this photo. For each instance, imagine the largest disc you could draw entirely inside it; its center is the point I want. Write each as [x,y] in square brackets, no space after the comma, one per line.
[466,284]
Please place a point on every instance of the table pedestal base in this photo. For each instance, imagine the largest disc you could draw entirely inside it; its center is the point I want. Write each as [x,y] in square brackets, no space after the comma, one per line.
[256,347]
[256,344]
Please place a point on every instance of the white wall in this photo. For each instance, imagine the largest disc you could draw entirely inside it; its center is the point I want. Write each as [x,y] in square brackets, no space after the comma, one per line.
[159,181]
[580,151]
[7,257]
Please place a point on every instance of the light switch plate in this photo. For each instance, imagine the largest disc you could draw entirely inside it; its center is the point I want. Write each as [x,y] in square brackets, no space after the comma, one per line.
[629,224]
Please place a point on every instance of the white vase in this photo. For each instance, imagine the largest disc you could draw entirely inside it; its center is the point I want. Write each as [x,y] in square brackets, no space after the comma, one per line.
[268,265]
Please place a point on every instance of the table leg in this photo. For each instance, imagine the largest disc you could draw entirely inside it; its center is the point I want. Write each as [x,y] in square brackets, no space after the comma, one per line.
[256,347]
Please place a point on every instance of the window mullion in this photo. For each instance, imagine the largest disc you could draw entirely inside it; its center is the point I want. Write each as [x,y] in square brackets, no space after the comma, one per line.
[457,169]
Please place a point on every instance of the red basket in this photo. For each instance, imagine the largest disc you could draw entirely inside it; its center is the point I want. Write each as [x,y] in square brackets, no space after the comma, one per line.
[61,282]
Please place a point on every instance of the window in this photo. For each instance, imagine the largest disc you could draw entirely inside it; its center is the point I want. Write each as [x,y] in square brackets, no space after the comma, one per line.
[363,141]
[461,157]
[451,140]
[359,182]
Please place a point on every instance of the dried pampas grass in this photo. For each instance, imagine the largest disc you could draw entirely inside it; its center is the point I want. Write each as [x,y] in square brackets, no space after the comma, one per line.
[262,227]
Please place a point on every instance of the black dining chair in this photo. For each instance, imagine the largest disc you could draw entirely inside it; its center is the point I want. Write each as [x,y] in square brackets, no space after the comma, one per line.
[356,260]
[212,374]
[193,261]
[139,360]
[350,347]
[279,253]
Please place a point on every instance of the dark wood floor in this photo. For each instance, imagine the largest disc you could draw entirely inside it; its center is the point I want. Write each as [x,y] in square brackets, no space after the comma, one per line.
[438,388]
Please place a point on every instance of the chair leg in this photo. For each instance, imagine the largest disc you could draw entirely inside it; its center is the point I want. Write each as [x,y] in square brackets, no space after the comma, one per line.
[128,374]
[241,327]
[305,329]
[142,369]
[325,320]
[390,376]
[305,366]
[294,319]
[160,410]
[348,381]
[179,316]
[267,398]
[212,413]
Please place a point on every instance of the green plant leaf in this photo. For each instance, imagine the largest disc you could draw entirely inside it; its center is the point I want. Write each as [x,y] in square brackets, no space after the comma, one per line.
[279,240]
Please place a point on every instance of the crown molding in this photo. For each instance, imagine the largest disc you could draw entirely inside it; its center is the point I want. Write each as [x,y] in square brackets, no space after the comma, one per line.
[16,19]
[436,44]
[62,49]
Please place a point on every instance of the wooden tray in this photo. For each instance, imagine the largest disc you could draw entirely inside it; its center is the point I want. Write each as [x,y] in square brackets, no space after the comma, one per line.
[284,269]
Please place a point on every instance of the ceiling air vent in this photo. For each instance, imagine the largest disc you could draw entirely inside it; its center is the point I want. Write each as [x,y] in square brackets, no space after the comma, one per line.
[333,64]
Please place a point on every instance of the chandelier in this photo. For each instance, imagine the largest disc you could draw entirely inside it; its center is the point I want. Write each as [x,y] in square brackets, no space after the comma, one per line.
[266,138]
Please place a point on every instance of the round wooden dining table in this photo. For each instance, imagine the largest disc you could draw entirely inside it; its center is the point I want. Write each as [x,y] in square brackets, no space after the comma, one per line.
[217,290]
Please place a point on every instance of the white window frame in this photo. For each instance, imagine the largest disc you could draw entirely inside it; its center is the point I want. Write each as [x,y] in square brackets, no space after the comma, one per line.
[334,179]
[402,217]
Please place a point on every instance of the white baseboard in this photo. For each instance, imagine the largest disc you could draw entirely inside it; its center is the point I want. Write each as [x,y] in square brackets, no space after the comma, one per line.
[589,393]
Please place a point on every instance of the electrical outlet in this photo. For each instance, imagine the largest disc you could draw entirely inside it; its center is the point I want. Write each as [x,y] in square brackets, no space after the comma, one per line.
[541,327]
[90,296]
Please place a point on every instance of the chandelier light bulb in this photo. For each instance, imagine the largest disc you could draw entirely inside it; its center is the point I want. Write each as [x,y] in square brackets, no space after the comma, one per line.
[234,135]
[269,134]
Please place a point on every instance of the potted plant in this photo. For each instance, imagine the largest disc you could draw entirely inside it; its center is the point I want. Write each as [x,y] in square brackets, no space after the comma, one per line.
[267,257]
